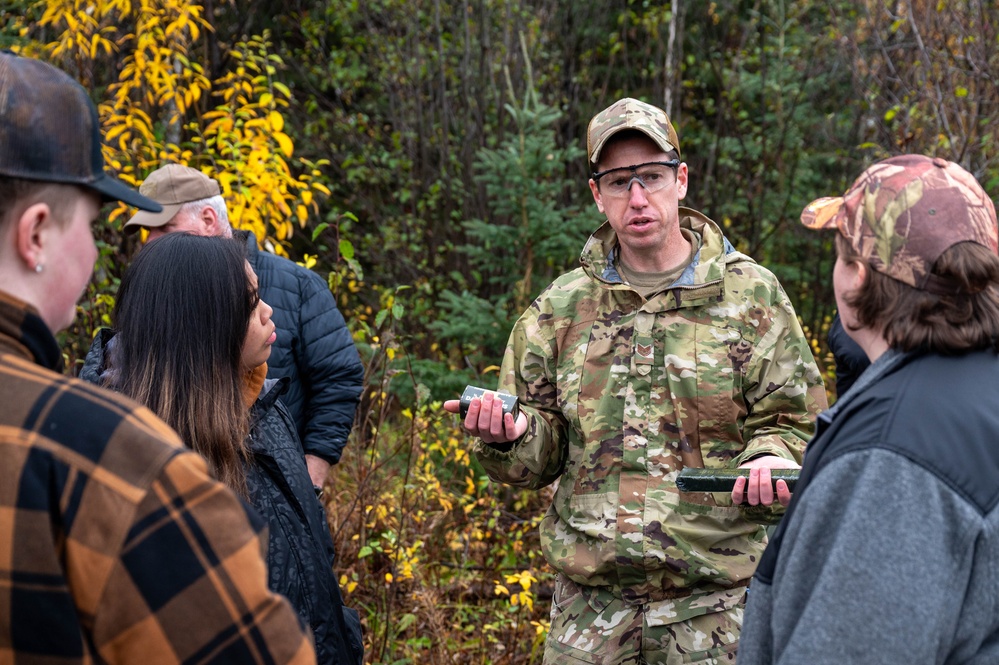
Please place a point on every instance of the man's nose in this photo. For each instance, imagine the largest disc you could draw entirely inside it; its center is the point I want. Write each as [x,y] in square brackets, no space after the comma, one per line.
[637,195]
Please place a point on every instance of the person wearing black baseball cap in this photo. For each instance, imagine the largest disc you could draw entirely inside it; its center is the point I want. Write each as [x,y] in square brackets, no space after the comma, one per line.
[54,183]
[112,533]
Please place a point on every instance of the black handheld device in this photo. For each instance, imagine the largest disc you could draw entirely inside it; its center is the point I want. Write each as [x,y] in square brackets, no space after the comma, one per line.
[510,403]
[723,480]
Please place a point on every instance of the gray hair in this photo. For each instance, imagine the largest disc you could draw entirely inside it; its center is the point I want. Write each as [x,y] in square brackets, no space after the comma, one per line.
[216,203]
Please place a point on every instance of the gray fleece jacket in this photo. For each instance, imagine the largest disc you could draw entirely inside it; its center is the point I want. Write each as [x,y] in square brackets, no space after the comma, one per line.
[889,552]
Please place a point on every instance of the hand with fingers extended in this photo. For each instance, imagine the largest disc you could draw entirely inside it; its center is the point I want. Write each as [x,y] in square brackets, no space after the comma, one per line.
[486,419]
[758,489]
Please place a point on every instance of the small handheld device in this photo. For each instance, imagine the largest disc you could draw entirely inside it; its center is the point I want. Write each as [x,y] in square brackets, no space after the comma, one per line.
[511,404]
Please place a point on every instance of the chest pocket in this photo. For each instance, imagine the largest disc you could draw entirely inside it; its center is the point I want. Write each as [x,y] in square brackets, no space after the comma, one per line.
[702,371]
[676,380]
[593,356]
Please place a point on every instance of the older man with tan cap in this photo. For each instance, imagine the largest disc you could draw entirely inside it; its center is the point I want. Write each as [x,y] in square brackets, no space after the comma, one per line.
[666,349]
[314,348]
[192,203]
[888,551]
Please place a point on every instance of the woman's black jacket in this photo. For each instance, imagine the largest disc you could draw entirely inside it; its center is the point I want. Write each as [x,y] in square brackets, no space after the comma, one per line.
[300,553]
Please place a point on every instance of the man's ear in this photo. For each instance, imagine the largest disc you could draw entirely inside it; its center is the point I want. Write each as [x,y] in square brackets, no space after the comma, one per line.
[859,275]
[681,181]
[595,189]
[30,229]
[210,219]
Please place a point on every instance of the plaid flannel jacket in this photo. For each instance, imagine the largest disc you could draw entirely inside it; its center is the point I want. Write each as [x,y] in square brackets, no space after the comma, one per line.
[115,543]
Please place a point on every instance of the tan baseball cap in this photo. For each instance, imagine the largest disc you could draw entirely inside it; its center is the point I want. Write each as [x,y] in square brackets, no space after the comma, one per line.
[172,186]
[625,114]
[902,213]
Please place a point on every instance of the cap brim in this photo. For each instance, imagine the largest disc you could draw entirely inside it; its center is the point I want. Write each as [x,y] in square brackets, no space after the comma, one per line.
[822,213]
[152,219]
[113,189]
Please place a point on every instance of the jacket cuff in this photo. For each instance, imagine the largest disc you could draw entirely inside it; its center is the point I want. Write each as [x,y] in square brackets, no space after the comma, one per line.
[498,451]
[764,451]
[325,453]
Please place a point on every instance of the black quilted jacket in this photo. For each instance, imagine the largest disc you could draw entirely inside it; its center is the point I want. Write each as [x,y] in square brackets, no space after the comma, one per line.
[314,350]
[300,554]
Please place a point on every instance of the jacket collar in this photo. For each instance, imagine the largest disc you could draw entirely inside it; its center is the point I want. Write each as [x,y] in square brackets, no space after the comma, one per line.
[23,333]
[886,364]
[701,280]
[270,392]
[253,383]
[251,245]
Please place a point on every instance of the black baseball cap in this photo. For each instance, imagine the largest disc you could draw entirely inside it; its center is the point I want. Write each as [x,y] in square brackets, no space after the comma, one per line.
[49,131]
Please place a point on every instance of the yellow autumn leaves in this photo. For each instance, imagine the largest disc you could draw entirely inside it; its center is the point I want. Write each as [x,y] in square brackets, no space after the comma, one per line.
[163,106]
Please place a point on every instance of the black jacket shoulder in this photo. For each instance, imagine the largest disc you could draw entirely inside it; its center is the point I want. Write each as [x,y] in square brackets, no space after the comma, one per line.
[938,412]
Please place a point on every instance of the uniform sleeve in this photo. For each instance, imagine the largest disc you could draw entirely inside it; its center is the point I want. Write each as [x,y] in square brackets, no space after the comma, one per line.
[876,566]
[331,369]
[537,458]
[190,584]
[784,390]
[784,393]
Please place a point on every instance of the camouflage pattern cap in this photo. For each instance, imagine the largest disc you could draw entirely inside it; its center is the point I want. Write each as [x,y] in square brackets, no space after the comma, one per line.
[902,213]
[630,113]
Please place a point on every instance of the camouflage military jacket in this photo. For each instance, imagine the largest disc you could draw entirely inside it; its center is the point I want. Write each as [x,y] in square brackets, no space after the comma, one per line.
[621,393]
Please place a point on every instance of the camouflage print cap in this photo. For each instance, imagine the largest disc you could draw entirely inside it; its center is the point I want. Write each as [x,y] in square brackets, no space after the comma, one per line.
[630,113]
[902,213]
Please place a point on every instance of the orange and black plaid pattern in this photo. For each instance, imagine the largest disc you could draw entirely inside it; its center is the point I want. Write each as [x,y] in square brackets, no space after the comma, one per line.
[115,543]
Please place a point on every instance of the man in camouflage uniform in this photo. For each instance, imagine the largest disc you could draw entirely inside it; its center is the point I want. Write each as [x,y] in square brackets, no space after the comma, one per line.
[665,349]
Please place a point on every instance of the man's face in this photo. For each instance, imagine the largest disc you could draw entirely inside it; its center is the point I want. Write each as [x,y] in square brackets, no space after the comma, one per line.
[845,282]
[69,257]
[180,222]
[644,222]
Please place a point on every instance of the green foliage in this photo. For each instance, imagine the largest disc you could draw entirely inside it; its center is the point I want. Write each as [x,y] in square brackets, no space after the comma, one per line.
[529,237]
[15,17]
[530,233]
[454,199]
[478,325]
[432,377]
[442,565]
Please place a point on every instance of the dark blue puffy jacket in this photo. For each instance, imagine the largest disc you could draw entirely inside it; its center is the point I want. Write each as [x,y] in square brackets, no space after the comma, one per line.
[314,350]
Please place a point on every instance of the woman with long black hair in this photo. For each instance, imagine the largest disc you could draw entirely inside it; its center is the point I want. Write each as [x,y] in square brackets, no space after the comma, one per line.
[191,342]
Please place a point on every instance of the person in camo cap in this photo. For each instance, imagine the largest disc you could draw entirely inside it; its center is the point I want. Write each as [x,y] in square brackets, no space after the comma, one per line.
[887,552]
[665,349]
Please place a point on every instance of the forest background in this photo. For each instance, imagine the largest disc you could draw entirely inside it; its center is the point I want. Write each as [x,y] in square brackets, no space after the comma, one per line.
[427,157]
